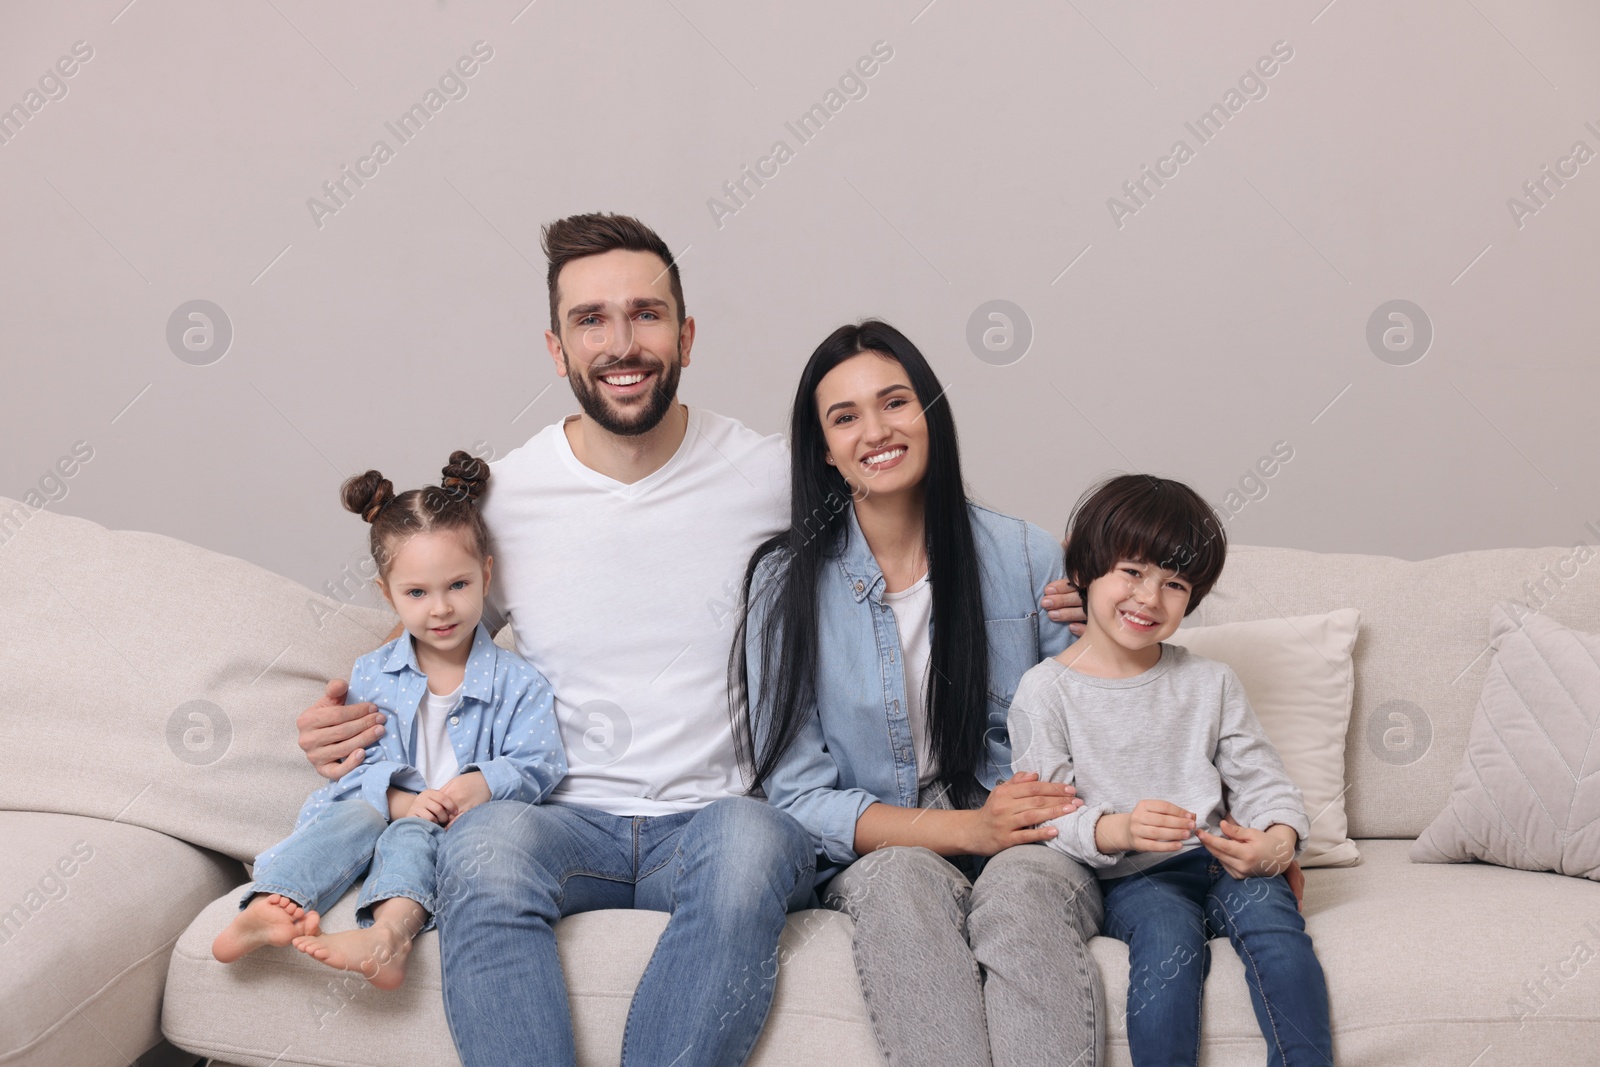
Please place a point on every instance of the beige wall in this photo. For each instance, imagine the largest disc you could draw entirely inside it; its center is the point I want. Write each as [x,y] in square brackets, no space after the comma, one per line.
[1187,332]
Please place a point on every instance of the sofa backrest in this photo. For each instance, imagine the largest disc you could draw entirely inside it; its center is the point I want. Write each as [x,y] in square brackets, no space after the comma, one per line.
[1421,655]
[155,683]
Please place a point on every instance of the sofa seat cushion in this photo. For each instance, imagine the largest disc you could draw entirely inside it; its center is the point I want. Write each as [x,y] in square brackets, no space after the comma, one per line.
[280,1008]
[89,910]
[1425,964]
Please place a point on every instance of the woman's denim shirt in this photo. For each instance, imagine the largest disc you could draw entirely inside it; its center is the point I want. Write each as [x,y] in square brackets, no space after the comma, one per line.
[855,746]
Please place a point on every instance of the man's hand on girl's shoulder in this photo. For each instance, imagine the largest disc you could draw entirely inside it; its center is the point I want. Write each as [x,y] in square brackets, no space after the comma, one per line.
[335,735]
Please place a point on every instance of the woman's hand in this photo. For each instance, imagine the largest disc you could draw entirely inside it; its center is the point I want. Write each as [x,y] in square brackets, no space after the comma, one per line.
[1247,853]
[468,791]
[1152,826]
[435,805]
[1014,811]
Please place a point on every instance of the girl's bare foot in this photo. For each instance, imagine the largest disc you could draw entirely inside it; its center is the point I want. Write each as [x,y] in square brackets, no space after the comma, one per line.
[269,919]
[377,952]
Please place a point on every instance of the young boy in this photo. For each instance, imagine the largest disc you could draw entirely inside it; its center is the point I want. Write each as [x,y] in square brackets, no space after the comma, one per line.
[1160,744]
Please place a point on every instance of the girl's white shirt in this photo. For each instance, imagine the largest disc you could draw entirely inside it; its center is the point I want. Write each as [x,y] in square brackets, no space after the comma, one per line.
[436,756]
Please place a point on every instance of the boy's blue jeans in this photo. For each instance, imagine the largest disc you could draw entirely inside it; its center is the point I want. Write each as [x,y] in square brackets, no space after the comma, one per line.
[727,874]
[319,861]
[1165,914]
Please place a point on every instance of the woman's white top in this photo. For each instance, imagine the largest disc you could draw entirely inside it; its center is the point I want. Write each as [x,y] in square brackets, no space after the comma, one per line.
[913,615]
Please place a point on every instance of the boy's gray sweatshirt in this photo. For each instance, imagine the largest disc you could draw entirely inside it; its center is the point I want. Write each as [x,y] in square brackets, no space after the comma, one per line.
[1182,731]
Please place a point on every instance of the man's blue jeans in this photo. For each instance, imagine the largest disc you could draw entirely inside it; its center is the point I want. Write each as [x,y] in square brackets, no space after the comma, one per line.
[728,874]
[319,861]
[1165,914]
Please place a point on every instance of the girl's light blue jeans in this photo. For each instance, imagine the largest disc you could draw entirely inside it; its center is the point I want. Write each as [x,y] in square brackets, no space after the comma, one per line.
[319,861]
[1165,914]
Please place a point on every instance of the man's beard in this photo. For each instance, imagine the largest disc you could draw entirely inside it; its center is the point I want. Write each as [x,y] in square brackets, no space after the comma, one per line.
[638,418]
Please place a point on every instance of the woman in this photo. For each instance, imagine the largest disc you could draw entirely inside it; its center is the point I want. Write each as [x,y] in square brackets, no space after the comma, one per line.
[885,632]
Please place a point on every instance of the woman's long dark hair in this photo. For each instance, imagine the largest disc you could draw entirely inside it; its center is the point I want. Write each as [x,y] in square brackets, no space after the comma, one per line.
[958,678]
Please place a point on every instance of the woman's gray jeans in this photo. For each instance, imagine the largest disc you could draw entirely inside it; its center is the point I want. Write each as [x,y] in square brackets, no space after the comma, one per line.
[972,974]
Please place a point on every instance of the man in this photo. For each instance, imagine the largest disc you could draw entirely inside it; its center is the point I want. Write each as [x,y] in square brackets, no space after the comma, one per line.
[620,538]
[620,535]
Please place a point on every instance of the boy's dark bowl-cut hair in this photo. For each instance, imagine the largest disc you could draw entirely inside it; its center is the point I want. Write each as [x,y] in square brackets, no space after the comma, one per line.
[1151,520]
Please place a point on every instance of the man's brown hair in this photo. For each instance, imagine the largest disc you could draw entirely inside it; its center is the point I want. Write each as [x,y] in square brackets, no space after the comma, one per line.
[577,236]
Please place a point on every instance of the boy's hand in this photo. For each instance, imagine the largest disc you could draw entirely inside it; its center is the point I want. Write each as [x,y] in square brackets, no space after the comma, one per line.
[1152,826]
[1247,853]
[1159,826]
[467,791]
[435,805]
[1063,604]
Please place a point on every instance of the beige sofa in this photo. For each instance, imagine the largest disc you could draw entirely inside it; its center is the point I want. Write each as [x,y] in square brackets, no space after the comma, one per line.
[150,689]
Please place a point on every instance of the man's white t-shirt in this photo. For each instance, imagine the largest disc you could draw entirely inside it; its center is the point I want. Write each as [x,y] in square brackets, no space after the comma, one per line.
[626,597]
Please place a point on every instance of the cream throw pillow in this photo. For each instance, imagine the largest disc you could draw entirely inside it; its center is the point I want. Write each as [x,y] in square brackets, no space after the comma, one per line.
[1527,795]
[1300,679]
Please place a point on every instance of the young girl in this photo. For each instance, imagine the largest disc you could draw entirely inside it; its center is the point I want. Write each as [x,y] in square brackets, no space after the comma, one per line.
[1162,743]
[465,722]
